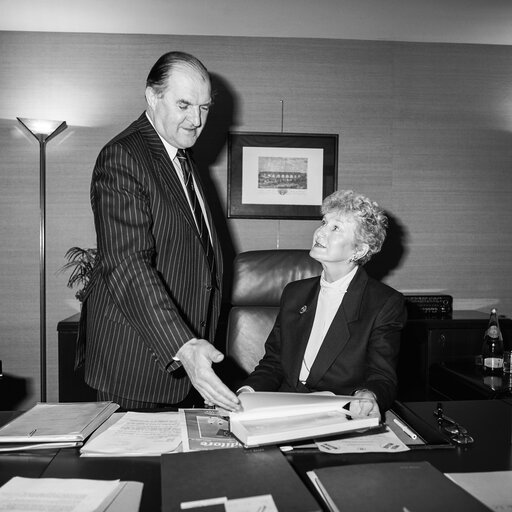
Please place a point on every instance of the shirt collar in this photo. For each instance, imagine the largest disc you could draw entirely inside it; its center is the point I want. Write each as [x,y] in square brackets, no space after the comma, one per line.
[339,285]
[171,150]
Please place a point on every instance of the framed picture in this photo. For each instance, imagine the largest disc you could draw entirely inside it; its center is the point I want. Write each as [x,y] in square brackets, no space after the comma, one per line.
[280,175]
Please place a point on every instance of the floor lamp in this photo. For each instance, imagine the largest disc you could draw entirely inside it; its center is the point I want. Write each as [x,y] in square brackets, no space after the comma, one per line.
[43,131]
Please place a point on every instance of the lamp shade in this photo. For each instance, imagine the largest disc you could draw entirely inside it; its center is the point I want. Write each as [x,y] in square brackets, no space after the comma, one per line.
[42,129]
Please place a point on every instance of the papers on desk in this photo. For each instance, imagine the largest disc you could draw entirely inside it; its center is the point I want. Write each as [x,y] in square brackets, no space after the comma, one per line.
[49,425]
[70,495]
[386,441]
[136,434]
[24,447]
[223,504]
[206,429]
[491,487]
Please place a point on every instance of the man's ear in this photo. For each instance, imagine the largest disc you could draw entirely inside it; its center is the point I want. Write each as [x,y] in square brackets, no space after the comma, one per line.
[150,96]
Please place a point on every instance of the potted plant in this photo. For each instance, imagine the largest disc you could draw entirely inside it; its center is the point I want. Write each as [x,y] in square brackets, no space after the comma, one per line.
[80,262]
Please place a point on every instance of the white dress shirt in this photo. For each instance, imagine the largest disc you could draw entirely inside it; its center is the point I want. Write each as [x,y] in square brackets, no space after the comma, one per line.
[172,152]
[329,301]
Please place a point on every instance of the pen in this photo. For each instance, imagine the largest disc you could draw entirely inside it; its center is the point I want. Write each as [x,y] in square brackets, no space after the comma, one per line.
[30,434]
[405,429]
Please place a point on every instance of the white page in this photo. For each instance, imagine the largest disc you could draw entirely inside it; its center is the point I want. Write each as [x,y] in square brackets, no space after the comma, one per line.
[251,504]
[266,404]
[56,494]
[386,441]
[492,488]
[137,434]
[47,422]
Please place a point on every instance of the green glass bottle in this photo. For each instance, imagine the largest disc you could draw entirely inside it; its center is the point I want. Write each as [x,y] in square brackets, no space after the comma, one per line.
[492,347]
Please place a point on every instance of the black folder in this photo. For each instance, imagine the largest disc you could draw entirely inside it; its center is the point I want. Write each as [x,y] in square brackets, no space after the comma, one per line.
[233,473]
[430,437]
[391,487]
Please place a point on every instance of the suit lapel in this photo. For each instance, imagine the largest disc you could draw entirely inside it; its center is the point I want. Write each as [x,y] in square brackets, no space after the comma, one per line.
[165,169]
[169,177]
[339,332]
[302,327]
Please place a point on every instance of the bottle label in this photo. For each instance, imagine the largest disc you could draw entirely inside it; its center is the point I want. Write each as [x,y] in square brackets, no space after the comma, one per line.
[493,332]
[493,362]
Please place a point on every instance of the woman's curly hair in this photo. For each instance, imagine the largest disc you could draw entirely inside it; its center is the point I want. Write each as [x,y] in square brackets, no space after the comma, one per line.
[371,221]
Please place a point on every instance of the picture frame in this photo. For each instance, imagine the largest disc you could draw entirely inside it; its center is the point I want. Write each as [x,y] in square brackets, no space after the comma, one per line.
[280,175]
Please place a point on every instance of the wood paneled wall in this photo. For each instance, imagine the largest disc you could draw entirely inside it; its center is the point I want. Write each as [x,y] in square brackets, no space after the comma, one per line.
[425,129]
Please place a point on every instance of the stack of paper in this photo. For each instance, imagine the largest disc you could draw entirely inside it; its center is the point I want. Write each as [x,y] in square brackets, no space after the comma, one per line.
[136,434]
[269,418]
[54,425]
[70,495]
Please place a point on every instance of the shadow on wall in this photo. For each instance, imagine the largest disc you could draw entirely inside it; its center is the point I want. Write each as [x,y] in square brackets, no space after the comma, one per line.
[206,153]
[13,390]
[393,251]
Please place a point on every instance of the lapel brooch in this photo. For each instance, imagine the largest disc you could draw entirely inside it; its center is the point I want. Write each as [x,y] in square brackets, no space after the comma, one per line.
[302,310]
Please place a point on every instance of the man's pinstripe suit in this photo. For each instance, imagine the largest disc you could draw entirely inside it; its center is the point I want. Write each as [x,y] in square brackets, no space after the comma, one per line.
[152,289]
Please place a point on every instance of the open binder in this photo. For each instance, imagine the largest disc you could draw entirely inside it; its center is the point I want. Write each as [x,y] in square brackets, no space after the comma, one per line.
[270,418]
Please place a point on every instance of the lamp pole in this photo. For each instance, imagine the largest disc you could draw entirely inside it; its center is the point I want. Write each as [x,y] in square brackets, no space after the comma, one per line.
[43,131]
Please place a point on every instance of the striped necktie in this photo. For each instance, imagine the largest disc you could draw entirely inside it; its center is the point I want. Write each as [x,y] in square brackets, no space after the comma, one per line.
[202,228]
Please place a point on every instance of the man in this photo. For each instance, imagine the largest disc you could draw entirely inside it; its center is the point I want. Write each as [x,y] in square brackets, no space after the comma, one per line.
[154,297]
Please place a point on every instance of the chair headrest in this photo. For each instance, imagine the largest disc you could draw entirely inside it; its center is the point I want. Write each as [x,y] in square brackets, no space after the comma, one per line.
[260,276]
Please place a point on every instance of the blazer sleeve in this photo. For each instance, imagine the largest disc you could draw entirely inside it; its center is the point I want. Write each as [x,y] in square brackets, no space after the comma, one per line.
[124,227]
[383,350]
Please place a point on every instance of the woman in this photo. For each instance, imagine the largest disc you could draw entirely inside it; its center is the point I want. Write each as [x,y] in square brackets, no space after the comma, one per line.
[339,332]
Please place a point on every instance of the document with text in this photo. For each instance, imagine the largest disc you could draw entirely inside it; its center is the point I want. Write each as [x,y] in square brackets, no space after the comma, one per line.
[57,422]
[136,434]
[69,495]
[206,429]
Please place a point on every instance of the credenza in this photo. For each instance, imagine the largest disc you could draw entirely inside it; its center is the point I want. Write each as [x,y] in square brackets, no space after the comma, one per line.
[425,342]
[72,387]
[434,342]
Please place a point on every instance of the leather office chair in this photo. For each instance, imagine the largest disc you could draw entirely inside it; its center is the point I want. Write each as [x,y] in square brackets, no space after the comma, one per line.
[258,281]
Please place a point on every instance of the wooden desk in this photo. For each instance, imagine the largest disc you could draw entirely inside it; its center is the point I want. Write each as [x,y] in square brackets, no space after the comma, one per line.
[488,421]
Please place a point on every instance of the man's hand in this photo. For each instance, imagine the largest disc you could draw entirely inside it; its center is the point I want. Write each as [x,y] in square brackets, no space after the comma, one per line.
[197,357]
[366,406]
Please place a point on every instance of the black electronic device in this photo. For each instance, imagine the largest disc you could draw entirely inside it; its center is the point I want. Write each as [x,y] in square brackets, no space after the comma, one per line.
[429,306]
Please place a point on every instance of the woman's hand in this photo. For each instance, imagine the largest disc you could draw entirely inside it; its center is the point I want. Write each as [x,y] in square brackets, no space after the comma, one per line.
[366,405]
